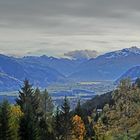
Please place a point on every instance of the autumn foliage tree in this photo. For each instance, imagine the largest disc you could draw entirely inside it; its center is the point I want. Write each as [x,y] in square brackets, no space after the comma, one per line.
[78,129]
[16,115]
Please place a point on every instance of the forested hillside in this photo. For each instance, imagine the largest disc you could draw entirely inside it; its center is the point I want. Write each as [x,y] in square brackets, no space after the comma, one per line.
[112,116]
[120,120]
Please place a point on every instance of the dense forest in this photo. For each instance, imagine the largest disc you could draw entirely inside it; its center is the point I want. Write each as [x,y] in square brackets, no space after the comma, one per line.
[112,116]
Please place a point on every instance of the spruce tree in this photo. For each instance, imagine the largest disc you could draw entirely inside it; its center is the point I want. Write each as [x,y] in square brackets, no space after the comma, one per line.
[28,129]
[66,119]
[29,104]
[25,96]
[58,131]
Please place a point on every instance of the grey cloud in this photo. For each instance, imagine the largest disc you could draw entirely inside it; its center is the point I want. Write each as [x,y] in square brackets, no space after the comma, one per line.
[38,13]
[101,21]
[82,54]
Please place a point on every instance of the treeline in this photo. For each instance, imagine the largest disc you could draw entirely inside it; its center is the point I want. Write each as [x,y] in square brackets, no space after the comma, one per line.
[34,117]
[112,116]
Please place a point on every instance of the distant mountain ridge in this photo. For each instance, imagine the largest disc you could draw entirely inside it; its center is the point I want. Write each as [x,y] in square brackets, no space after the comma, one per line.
[109,66]
[123,53]
[64,66]
[44,70]
[14,68]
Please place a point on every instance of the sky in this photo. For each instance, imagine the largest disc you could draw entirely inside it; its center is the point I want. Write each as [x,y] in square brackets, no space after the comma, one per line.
[59,27]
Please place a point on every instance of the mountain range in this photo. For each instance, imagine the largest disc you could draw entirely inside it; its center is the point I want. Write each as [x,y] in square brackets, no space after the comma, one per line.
[44,70]
[109,66]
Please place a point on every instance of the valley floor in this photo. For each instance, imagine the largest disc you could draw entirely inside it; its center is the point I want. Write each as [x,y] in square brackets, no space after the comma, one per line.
[74,91]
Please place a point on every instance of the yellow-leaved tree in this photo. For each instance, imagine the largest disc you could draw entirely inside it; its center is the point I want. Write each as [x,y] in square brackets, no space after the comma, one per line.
[16,114]
[78,130]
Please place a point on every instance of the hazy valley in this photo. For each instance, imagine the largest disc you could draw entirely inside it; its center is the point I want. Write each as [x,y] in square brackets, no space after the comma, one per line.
[74,78]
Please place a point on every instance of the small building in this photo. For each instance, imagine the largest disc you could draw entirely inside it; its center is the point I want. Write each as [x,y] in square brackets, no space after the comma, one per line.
[98,110]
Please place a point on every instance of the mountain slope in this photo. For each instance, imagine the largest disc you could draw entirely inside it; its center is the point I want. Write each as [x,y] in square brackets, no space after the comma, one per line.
[42,75]
[8,83]
[108,66]
[62,65]
[132,73]
[39,75]
[12,67]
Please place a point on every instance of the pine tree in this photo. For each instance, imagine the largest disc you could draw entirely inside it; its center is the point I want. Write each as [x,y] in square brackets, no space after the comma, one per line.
[66,119]
[6,132]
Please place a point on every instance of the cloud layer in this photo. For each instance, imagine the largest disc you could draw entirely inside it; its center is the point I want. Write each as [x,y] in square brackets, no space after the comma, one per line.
[58,26]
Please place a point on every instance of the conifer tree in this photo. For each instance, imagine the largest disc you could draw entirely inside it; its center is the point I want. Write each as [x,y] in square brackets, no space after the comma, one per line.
[43,129]
[58,131]
[66,119]
[78,109]
[46,120]
[37,100]
[6,132]
[25,97]
[47,105]
[28,129]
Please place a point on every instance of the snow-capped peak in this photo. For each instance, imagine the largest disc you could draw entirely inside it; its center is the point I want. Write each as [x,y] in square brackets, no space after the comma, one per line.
[133,49]
[123,52]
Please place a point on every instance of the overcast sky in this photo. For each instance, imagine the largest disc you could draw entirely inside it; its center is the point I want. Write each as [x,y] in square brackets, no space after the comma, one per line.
[55,27]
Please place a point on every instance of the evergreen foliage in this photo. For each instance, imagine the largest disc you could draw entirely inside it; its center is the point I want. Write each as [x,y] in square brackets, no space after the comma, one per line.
[78,109]
[66,123]
[58,130]
[28,101]
[6,133]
